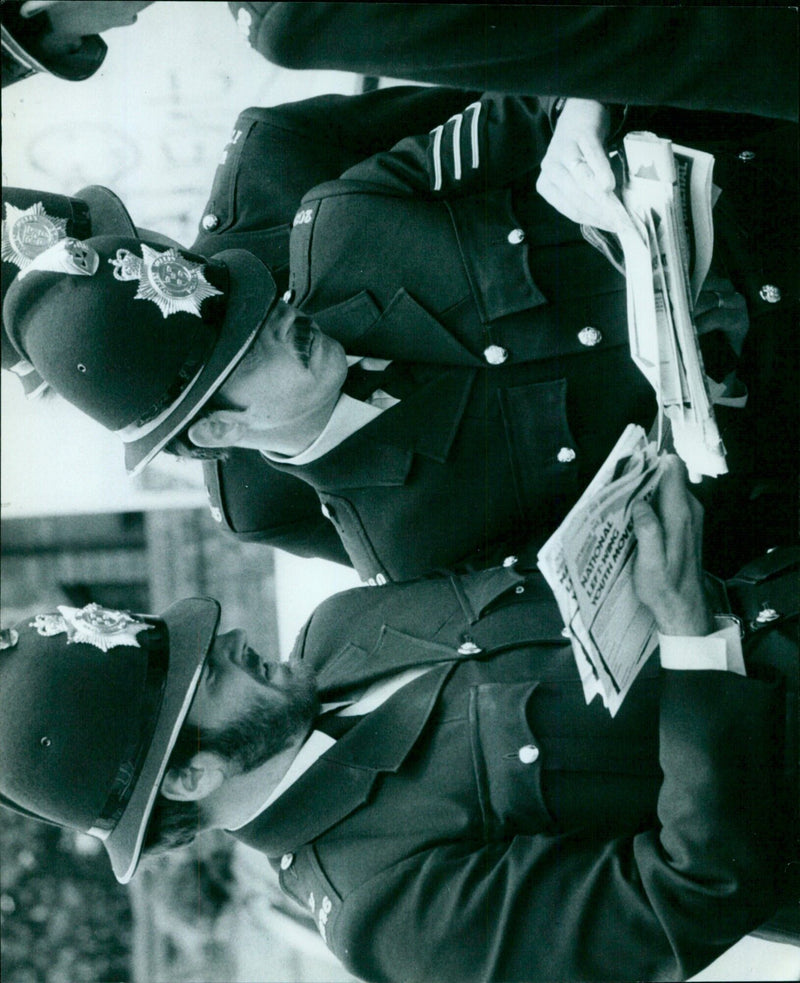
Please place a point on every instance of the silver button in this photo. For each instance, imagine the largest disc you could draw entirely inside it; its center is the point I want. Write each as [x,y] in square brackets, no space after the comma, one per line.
[565,632]
[210,222]
[528,754]
[326,904]
[770,293]
[326,511]
[511,561]
[495,355]
[469,648]
[288,297]
[566,455]
[766,614]
[519,589]
[216,514]
[590,336]
[287,860]
[372,582]
[380,580]
[747,155]
[516,236]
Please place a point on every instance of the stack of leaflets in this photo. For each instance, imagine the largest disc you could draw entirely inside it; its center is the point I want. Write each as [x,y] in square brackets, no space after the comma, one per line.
[588,564]
[663,245]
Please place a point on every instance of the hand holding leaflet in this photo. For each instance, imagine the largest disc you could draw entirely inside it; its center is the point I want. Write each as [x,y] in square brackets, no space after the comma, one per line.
[588,565]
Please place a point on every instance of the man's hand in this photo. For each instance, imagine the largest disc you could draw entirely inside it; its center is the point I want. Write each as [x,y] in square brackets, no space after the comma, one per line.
[576,177]
[667,572]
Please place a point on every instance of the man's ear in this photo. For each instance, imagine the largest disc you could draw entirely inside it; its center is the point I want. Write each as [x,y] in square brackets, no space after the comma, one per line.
[203,775]
[220,428]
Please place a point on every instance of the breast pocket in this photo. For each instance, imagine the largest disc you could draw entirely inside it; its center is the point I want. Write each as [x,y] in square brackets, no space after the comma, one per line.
[543,451]
[507,759]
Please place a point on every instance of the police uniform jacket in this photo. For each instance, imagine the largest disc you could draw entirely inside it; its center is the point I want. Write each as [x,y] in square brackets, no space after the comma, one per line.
[440,251]
[720,58]
[440,255]
[485,824]
[274,156]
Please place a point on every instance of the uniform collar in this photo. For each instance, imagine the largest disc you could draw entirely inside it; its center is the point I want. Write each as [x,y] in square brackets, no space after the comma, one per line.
[349,415]
[342,778]
[381,452]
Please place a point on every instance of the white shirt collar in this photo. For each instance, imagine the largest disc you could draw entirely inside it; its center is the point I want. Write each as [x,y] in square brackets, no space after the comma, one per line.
[349,415]
[317,742]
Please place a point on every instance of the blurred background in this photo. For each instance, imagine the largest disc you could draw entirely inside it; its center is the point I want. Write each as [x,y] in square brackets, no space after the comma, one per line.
[151,124]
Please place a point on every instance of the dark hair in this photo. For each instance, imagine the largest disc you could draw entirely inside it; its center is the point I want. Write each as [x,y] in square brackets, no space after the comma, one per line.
[174,824]
[181,445]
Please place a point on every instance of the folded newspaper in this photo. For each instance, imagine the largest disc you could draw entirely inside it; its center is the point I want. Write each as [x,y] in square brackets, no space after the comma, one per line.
[588,564]
[663,245]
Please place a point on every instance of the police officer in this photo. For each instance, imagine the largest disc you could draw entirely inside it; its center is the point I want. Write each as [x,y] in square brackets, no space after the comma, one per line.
[468,816]
[274,156]
[490,409]
[756,166]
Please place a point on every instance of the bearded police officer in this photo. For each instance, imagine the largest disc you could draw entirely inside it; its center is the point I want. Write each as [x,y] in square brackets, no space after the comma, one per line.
[455,811]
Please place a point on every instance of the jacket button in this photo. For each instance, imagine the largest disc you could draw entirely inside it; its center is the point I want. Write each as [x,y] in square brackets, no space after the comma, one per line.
[565,632]
[766,614]
[511,561]
[469,648]
[519,589]
[288,297]
[589,336]
[770,293]
[287,860]
[747,155]
[210,222]
[516,236]
[380,579]
[216,513]
[495,355]
[528,754]
[566,455]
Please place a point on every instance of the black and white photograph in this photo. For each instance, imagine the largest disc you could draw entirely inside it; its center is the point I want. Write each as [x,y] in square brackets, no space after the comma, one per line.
[400,492]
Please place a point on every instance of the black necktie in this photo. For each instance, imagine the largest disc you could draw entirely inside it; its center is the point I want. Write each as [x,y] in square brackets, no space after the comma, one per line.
[396,379]
[334,724]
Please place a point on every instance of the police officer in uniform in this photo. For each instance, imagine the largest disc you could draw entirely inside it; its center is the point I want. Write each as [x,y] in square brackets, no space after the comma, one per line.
[466,816]
[274,156]
[756,166]
[500,403]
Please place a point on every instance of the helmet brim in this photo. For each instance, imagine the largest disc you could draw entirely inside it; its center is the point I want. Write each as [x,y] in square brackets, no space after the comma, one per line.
[252,293]
[192,625]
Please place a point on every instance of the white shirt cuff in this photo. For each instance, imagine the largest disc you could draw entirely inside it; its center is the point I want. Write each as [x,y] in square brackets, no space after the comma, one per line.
[721,650]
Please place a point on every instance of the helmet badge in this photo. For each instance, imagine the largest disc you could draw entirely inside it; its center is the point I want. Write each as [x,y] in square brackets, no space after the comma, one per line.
[92,625]
[171,281]
[28,232]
